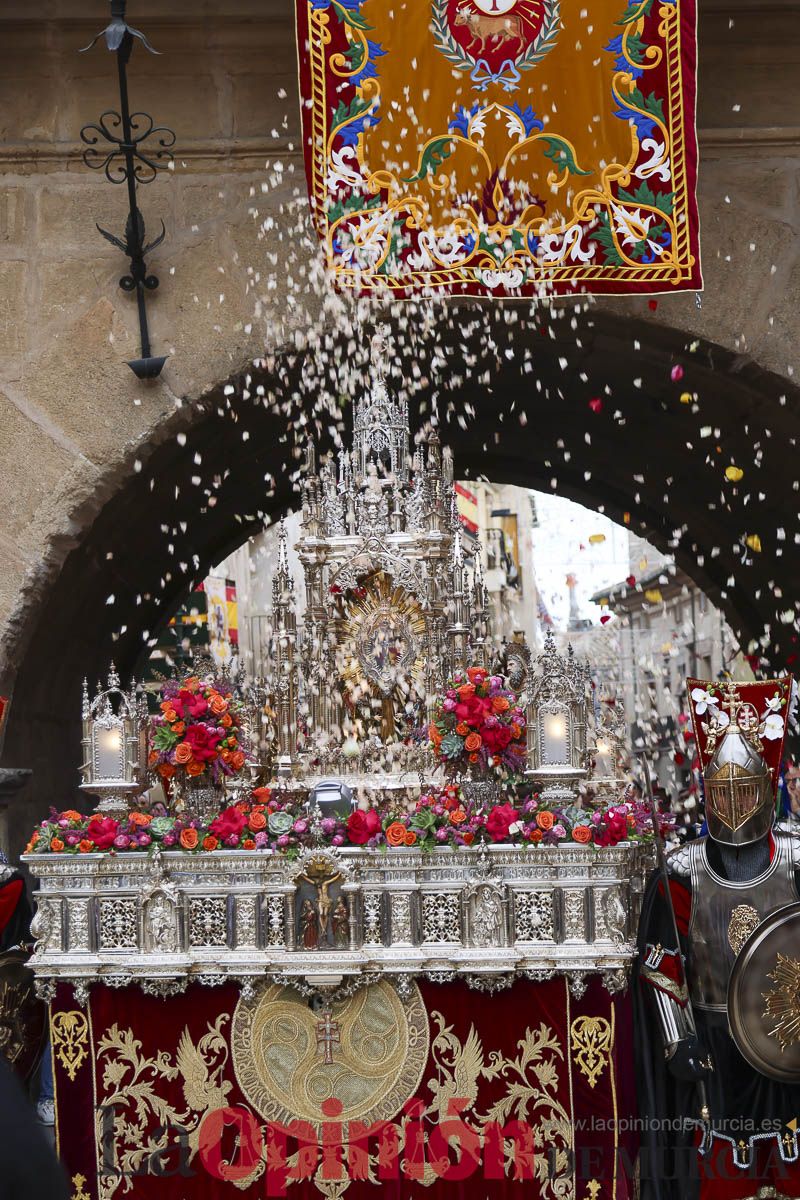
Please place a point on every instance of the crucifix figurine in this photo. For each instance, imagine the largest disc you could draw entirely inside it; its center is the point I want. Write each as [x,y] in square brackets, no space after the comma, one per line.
[327,1035]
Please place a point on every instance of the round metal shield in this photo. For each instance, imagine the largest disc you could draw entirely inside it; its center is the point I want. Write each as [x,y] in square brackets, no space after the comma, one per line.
[22,1016]
[764,996]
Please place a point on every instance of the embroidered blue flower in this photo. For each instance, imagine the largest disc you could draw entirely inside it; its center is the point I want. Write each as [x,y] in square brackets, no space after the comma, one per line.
[460,123]
[528,117]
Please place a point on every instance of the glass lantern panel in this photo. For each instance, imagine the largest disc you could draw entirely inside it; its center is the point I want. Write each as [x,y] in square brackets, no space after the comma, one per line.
[555,742]
[110,759]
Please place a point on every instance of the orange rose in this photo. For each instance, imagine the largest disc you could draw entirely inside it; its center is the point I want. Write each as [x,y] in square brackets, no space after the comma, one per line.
[466,691]
[225,755]
[473,742]
[396,834]
[257,821]
[582,834]
[458,817]
[262,794]
[410,838]
[462,728]
[248,844]
[500,704]
[433,734]
[217,705]
[194,768]
[545,820]
[226,721]
[476,674]
[468,837]
[473,758]
[183,752]
[237,760]
[138,818]
[188,838]
[166,770]
[192,683]
[70,814]
[179,727]
[168,710]
[515,729]
[86,847]
[536,835]
[56,845]
[210,842]
[152,758]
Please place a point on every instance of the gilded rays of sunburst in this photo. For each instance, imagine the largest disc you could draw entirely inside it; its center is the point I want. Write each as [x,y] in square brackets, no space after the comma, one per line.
[783,1003]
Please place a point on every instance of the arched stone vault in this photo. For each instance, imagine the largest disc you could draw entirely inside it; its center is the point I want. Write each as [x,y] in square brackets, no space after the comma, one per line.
[155,532]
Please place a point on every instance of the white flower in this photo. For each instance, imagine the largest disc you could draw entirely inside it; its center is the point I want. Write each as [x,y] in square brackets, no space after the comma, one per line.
[702,700]
[632,226]
[773,728]
[773,704]
[517,827]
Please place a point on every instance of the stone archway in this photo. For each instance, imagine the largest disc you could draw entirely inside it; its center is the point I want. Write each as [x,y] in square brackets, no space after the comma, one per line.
[646,453]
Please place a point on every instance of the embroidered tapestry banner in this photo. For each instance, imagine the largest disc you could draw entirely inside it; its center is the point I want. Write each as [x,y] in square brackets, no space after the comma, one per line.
[438,1092]
[502,147]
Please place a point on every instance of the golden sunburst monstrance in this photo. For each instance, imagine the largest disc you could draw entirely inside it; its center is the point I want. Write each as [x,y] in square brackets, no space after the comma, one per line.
[383,637]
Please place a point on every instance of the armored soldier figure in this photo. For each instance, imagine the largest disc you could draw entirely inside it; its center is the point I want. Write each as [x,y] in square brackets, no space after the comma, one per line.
[715,1125]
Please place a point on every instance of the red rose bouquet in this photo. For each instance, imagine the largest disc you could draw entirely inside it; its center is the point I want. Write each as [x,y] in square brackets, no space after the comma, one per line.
[478,723]
[197,733]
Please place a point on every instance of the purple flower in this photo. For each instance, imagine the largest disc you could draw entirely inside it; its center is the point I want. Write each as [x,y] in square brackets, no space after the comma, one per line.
[170,839]
[121,841]
[232,839]
[559,831]
[283,840]
[328,825]
[441,835]
[449,705]
[261,840]
[144,839]
[72,839]
[438,809]
[301,826]
[338,839]
[64,823]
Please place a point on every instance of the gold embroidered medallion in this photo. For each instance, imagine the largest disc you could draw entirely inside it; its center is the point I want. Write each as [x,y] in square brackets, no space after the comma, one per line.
[368,1052]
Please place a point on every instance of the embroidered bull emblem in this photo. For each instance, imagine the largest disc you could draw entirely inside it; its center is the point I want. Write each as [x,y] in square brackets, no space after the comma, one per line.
[495,39]
[487,31]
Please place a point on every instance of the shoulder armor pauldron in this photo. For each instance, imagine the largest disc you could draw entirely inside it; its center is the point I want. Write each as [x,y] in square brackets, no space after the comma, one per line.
[679,862]
[792,841]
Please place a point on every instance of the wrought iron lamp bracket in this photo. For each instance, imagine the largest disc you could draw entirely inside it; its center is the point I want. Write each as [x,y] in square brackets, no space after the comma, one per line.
[135,150]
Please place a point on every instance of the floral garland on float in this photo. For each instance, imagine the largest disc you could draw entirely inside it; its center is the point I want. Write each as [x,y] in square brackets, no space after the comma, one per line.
[478,731]
[196,741]
[443,817]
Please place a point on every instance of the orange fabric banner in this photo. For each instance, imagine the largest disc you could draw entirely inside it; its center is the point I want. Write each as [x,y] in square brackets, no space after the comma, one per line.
[502,147]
